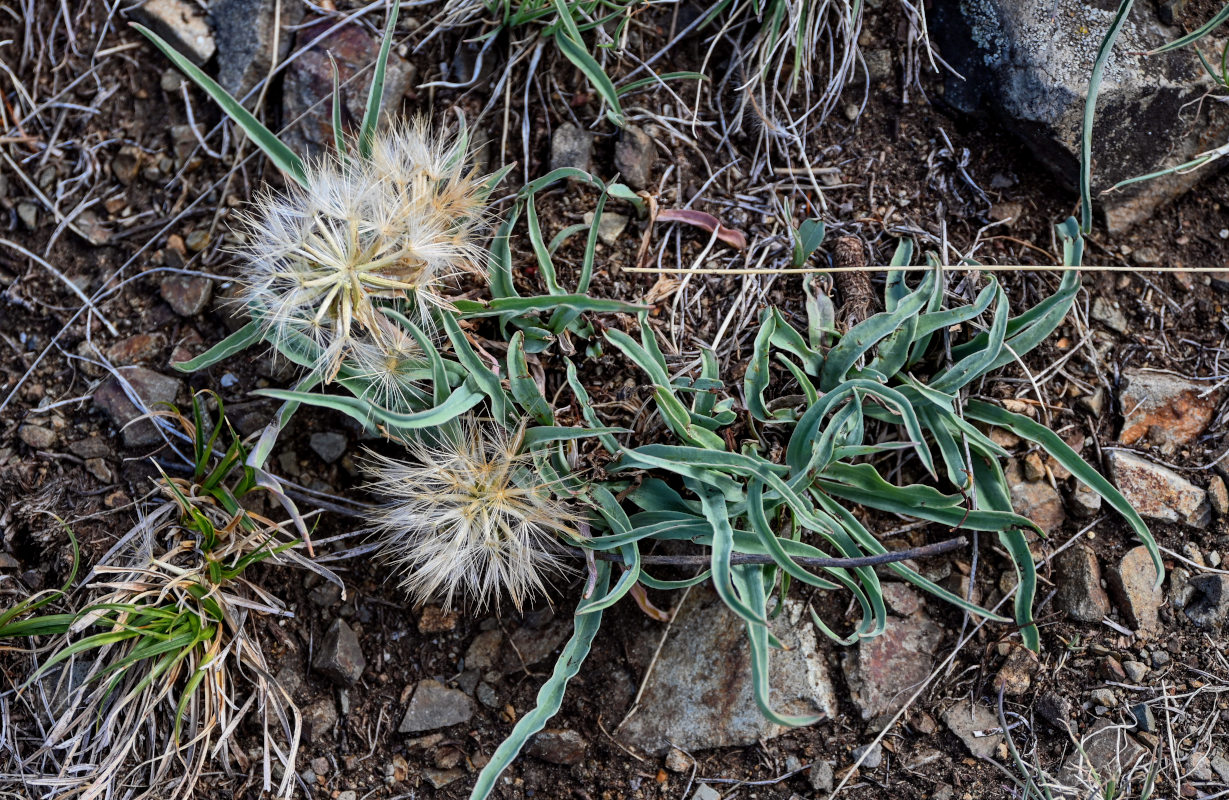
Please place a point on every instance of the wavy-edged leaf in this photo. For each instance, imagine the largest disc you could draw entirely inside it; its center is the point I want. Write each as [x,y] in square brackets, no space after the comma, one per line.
[863,336]
[236,343]
[462,399]
[1090,111]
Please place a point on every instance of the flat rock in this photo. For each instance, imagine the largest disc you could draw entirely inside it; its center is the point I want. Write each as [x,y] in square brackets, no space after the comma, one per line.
[1156,491]
[969,721]
[634,156]
[1028,62]
[1016,675]
[308,86]
[1037,500]
[699,694]
[1110,314]
[1134,585]
[530,645]
[1078,582]
[142,347]
[1108,750]
[558,746]
[483,652]
[339,656]
[1164,410]
[1209,607]
[36,437]
[186,294]
[571,147]
[434,706]
[329,445]
[245,30]
[151,387]
[884,671]
[180,23]
[1218,496]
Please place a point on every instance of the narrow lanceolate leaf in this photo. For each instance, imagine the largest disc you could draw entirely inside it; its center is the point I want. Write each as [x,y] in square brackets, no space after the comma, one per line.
[462,399]
[282,156]
[524,388]
[1203,30]
[1090,111]
[237,342]
[375,95]
[550,696]
[578,302]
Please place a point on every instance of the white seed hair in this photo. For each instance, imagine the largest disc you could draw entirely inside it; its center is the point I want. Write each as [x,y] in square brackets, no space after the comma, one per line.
[468,517]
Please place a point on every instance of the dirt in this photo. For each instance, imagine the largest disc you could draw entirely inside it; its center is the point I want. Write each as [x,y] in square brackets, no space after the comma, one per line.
[897,175]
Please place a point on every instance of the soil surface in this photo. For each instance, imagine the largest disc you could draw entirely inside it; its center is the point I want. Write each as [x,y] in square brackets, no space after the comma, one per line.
[106,194]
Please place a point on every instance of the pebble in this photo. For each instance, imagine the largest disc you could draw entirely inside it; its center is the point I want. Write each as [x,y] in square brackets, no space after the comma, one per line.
[678,761]
[1106,749]
[36,437]
[28,214]
[1157,491]
[822,776]
[966,719]
[245,31]
[1036,500]
[571,147]
[1109,314]
[143,347]
[1209,605]
[434,619]
[340,656]
[1016,675]
[705,792]
[1145,721]
[611,226]
[1133,582]
[487,695]
[879,667]
[330,446]
[1164,410]
[1104,697]
[483,652]
[439,778]
[182,24]
[558,746]
[1055,709]
[1078,582]
[873,755]
[186,294]
[634,156]
[1159,658]
[434,706]
[1218,496]
[1135,670]
[153,388]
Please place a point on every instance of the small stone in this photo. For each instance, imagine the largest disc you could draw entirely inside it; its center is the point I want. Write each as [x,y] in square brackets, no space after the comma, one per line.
[37,437]
[151,387]
[1109,314]
[879,65]
[1218,496]
[1038,501]
[1112,670]
[678,761]
[634,156]
[439,778]
[1104,697]
[1016,675]
[197,240]
[329,446]
[99,469]
[822,777]
[1145,721]
[182,24]
[880,668]
[871,755]
[340,656]
[245,31]
[320,718]
[143,347]
[1093,403]
[28,214]
[901,600]
[186,294]
[968,720]
[571,147]
[1159,658]
[1164,410]
[1055,709]
[93,447]
[1157,491]
[434,706]
[487,695]
[1078,582]
[1034,470]
[126,164]
[611,226]
[1106,750]
[1221,765]
[483,652]
[705,792]
[1083,501]
[1209,606]
[1135,671]
[326,595]
[558,746]
[1133,582]
[434,619]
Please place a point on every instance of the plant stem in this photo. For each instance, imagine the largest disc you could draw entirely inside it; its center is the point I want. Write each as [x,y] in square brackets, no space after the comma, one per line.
[804,561]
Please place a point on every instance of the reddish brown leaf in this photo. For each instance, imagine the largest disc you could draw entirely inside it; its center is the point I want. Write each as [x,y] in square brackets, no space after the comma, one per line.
[702,219]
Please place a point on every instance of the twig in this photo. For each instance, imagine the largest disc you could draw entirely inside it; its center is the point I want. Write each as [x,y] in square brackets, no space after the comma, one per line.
[803,561]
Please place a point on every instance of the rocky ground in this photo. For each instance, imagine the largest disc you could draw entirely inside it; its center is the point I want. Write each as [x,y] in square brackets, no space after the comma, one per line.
[119,185]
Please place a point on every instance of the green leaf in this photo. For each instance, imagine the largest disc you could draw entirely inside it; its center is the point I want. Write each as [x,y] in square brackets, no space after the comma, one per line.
[550,696]
[375,95]
[863,336]
[282,156]
[1195,35]
[462,399]
[1090,110]
[657,80]
[237,342]
[524,388]
[568,40]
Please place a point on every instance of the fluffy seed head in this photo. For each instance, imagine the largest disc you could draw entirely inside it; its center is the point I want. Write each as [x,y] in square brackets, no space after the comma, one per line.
[469,518]
[392,229]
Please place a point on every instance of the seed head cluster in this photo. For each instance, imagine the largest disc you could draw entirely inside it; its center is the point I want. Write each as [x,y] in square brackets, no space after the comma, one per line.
[468,517]
[391,230]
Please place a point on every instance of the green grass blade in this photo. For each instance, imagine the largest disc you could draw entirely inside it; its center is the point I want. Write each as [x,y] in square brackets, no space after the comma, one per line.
[462,399]
[282,156]
[1195,35]
[237,342]
[1090,111]
[375,95]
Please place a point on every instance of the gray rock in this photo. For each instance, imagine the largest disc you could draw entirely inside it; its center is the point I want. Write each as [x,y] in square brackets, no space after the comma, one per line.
[1107,750]
[571,147]
[634,157]
[1023,61]
[1218,496]
[1083,501]
[483,652]
[439,778]
[1164,410]
[1110,314]
[37,437]
[873,755]
[1055,709]
[28,214]
[330,446]
[181,23]
[1133,582]
[1135,670]
[1210,605]
[1145,720]
[884,671]
[879,65]
[151,387]
[1078,580]
[531,645]
[611,226]
[339,656]
[434,706]
[822,776]
[1037,500]
[245,30]
[1158,492]
[969,721]
[705,792]
[487,695]
[699,694]
[1221,765]
[558,746]
[320,718]
[186,294]
[1104,697]
[1160,658]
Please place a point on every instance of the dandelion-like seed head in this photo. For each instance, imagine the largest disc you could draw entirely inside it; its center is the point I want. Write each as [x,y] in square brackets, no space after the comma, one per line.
[468,517]
[397,227]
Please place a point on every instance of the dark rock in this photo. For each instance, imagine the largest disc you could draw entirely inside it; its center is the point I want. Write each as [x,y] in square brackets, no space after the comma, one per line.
[308,86]
[325,595]
[1210,605]
[487,695]
[871,755]
[340,656]
[571,147]
[1158,492]
[558,746]
[150,387]
[531,645]
[143,347]
[1145,720]
[1055,709]
[483,652]
[969,721]
[434,706]
[1164,410]
[884,671]
[245,30]
[186,294]
[329,446]
[1078,582]
[1023,60]
[821,776]
[93,447]
[181,24]
[36,437]
[699,694]
[320,718]
[1133,582]
[634,157]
